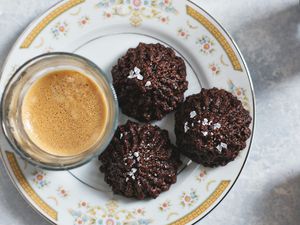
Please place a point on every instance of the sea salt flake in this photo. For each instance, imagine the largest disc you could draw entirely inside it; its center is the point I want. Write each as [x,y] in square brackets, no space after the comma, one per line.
[131,74]
[136,154]
[136,70]
[210,122]
[121,135]
[217,126]
[219,148]
[205,122]
[193,114]
[186,127]
[205,133]
[126,179]
[192,124]
[135,73]
[223,145]
[132,172]
[139,77]
[148,83]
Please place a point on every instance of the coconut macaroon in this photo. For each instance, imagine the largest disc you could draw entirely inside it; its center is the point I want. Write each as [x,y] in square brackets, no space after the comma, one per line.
[212,127]
[150,81]
[140,161]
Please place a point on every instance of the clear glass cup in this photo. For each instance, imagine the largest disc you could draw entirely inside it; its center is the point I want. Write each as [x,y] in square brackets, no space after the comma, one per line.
[16,90]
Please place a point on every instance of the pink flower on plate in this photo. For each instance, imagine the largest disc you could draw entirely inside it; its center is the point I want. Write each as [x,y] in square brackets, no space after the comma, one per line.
[201,175]
[110,221]
[240,93]
[84,21]
[167,2]
[79,221]
[107,15]
[60,29]
[183,33]
[139,211]
[136,3]
[39,178]
[206,44]
[62,192]
[164,19]
[188,199]
[215,68]
[165,206]
[83,204]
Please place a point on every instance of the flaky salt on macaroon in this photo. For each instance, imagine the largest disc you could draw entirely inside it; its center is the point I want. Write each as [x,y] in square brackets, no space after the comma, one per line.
[140,162]
[150,81]
[212,127]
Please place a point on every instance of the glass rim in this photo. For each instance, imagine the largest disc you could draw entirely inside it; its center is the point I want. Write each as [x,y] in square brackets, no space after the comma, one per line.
[26,156]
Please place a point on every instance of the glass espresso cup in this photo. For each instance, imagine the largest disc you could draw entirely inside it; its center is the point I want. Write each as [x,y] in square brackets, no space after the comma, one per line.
[13,99]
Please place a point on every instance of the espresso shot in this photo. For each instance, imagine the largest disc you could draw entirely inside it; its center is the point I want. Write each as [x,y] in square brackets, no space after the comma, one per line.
[64,113]
[59,111]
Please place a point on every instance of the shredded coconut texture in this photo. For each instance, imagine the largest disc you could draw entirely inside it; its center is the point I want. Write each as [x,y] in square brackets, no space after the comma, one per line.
[220,131]
[150,81]
[142,164]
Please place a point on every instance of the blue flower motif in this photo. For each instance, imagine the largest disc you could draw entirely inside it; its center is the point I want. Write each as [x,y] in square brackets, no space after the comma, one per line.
[193,195]
[100,222]
[144,221]
[85,218]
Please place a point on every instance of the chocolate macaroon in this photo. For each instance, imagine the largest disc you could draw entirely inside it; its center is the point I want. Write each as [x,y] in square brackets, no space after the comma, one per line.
[140,161]
[150,81]
[212,127]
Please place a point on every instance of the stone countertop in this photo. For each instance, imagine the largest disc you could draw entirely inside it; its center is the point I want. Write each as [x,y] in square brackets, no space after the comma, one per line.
[268,34]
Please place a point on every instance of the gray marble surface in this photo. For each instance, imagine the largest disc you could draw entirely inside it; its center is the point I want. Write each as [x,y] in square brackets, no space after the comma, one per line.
[268,34]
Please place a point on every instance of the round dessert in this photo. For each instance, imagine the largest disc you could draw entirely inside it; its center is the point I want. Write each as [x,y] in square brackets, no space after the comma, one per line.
[212,127]
[150,81]
[140,161]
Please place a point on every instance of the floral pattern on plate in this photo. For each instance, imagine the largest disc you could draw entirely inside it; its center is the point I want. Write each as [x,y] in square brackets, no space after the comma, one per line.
[215,68]
[62,192]
[39,178]
[183,33]
[138,10]
[165,206]
[206,44]
[189,198]
[201,175]
[110,214]
[83,21]
[240,93]
[60,29]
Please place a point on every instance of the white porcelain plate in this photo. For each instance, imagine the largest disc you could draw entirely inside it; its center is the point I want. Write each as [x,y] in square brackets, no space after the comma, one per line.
[102,30]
